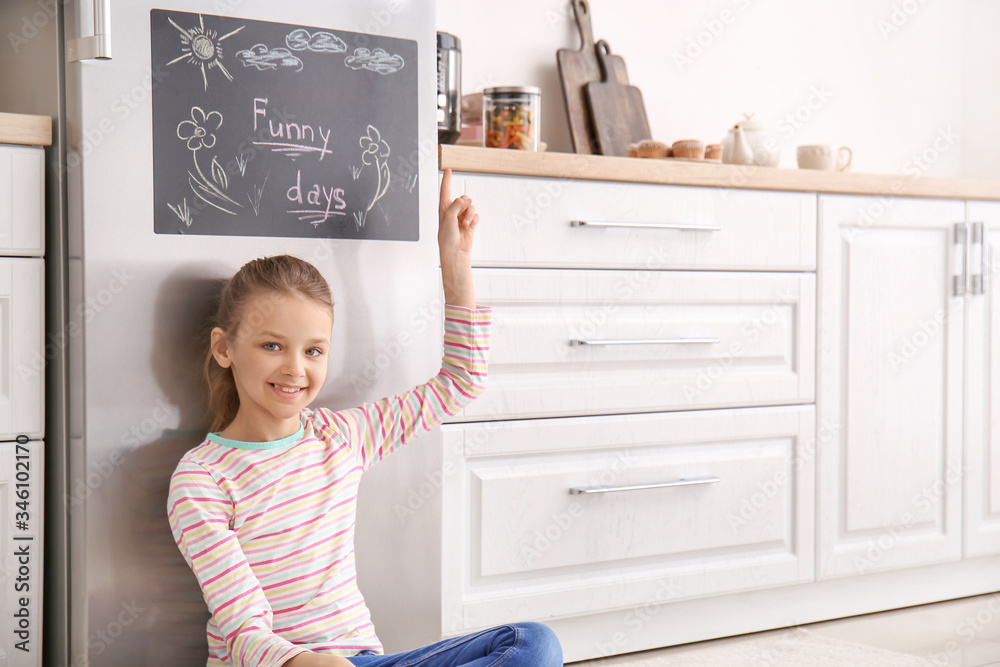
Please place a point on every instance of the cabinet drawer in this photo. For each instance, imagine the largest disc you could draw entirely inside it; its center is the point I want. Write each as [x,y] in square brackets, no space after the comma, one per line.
[530,222]
[22,349]
[22,207]
[523,546]
[655,340]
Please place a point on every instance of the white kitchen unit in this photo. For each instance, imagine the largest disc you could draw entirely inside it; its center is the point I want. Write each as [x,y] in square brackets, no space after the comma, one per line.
[22,324]
[892,328]
[929,337]
[720,400]
[607,463]
[22,401]
[981,470]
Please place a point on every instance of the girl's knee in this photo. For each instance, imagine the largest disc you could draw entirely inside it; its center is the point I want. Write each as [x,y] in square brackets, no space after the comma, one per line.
[542,643]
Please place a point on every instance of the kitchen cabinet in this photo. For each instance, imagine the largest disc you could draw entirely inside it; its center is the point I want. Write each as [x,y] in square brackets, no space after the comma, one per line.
[854,431]
[981,462]
[22,324]
[608,461]
[892,351]
[22,401]
[908,327]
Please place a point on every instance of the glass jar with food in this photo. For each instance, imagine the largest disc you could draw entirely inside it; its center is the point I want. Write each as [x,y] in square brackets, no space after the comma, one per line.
[511,117]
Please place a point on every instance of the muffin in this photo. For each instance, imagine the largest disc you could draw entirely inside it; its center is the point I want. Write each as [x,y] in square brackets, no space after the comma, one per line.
[632,150]
[651,148]
[713,152]
[689,148]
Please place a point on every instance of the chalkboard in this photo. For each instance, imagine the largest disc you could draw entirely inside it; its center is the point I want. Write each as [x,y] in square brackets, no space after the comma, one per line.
[270,129]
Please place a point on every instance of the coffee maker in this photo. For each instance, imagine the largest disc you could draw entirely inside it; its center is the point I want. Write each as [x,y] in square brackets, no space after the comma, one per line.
[449,87]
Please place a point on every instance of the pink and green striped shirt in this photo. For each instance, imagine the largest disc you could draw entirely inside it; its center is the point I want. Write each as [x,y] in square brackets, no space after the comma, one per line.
[268,528]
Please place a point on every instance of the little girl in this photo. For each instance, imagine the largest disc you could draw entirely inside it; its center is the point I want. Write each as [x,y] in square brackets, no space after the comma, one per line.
[263,510]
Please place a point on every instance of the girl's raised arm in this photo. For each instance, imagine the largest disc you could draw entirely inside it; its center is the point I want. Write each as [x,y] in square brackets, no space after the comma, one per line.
[456,227]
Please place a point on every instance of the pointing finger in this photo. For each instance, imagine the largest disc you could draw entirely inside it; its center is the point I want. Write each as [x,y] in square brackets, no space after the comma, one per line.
[445,190]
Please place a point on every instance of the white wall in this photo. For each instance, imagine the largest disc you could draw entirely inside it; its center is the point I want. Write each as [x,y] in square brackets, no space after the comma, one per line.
[886,77]
[981,98]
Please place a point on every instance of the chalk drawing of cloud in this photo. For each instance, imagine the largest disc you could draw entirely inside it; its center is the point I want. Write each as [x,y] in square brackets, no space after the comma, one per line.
[264,58]
[320,42]
[377,61]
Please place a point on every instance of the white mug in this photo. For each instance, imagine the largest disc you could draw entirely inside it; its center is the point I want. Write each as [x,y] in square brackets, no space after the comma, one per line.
[825,156]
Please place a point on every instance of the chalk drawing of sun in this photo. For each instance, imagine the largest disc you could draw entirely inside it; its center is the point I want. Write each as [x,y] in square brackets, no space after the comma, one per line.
[202,48]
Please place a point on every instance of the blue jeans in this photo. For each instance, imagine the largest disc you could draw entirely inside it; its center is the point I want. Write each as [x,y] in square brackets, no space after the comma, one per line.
[515,645]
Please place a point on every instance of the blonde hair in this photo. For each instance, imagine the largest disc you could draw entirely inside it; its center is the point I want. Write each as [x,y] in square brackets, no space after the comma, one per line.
[282,275]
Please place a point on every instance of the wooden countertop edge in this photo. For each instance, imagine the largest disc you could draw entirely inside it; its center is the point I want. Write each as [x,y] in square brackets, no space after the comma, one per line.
[25,129]
[635,170]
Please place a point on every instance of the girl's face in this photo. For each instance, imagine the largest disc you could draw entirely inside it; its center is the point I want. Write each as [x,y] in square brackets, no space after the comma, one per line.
[278,356]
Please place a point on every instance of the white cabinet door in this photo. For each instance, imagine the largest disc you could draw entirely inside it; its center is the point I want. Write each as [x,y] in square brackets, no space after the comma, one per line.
[22,204]
[22,349]
[520,545]
[598,342]
[890,384]
[981,470]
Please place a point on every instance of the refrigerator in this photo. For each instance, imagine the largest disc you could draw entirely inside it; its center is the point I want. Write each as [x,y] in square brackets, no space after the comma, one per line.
[136,258]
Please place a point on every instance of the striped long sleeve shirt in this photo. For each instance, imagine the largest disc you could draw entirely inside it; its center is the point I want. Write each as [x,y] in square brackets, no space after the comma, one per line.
[268,528]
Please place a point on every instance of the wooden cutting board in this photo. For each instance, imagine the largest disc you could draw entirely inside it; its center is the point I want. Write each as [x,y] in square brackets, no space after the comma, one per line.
[576,70]
[617,112]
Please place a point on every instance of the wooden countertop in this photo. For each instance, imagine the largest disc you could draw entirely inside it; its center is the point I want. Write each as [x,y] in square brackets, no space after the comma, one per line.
[636,170]
[19,128]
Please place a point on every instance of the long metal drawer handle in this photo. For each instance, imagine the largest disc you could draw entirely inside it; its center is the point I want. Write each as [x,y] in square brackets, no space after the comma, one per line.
[643,225]
[979,238]
[649,341]
[961,280]
[578,490]
[984,281]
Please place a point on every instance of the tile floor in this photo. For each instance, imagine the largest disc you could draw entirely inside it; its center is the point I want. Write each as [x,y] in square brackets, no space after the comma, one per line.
[957,633]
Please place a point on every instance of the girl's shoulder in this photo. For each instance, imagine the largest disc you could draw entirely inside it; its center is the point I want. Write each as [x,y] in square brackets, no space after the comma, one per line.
[196,455]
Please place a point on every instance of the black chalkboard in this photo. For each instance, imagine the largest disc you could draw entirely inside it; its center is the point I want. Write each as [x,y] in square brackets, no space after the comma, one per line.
[270,129]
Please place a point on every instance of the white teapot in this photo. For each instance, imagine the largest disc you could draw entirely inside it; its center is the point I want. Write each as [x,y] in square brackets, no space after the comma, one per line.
[763,144]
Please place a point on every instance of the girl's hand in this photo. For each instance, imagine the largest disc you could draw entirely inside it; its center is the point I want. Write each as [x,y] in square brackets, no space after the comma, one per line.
[457,225]
[457,219]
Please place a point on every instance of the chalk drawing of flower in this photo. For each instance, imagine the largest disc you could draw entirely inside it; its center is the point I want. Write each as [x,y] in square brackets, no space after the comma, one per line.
[375,151]
[374,147]
[198,132]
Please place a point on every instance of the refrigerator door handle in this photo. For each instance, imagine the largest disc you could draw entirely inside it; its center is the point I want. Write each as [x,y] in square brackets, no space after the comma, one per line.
[98,45]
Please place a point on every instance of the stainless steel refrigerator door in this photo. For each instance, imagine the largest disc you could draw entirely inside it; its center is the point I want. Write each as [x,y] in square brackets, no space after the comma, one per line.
[138,403]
